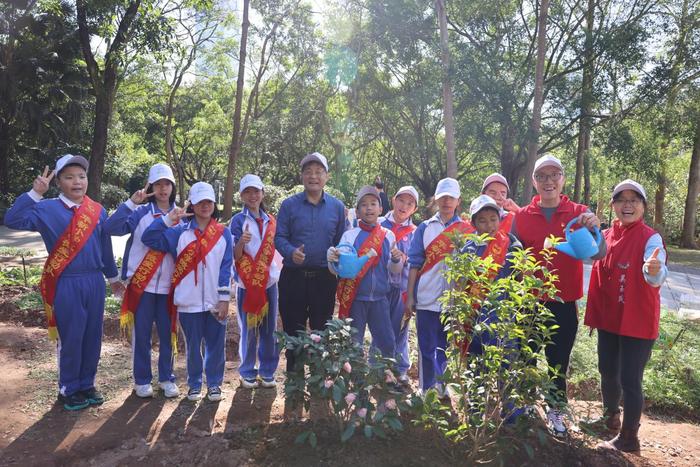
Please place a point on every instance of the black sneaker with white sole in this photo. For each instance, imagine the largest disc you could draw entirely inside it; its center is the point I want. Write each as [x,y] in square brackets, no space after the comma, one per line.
[75,401]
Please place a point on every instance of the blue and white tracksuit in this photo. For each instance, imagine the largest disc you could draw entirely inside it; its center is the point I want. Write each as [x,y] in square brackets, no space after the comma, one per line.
[80,291]
[153,306]
[371,307]
[261,341]
[196,300]
[398,283]
[432,337]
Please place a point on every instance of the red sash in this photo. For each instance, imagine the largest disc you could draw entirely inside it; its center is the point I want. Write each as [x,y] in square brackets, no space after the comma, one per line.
[141,278]
[496,249]
[347,288]
[401,231]
[255,273]
[442,245]
[507,222]
[186,262]
[71,241]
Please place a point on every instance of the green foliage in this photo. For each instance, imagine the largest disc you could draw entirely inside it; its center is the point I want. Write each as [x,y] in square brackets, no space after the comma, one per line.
[16,275]
[338,374]
[489,388]
[112,196]
[31,301]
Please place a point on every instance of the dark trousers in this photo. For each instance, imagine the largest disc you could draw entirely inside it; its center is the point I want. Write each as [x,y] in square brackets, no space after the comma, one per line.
[621,362]
[305,295]
[558,351]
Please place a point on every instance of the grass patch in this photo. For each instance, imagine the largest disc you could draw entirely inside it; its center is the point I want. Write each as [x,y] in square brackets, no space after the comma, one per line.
[683,256]
[15,275]
[671,378]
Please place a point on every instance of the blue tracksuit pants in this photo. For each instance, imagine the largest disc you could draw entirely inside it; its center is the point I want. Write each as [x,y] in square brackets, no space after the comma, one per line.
[396,308]
[203,330]
[259,342]
[79,309]
[374,315]
[432,342]
[153,308]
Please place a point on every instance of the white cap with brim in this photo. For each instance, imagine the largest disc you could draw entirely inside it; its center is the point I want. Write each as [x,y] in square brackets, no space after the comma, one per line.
[547,161]
[447,187]
[70,159]
[201,191]
[250,180]
[494,177]
[408,190]
[482,202]
[160,171]
[315,157]
[367,190]
[629,184]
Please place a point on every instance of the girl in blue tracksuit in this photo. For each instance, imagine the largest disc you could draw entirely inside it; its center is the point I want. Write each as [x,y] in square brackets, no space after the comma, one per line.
[405,203]
[203,249]
[249,228]
[78,303]
[134,217]
[370,307]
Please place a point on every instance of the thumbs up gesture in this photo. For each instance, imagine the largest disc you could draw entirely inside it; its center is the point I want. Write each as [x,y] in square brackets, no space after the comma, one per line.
[396,254]
[298,256]
[245,238]
[653,265]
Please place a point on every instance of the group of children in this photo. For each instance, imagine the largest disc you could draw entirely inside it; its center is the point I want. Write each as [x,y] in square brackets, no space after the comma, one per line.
[179,267]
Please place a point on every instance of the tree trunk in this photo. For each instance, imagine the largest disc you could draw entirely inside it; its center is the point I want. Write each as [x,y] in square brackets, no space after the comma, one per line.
[447,90]
[534,131]
[584,134]
[235,147]
[509,168]
[103,113]
[691,200]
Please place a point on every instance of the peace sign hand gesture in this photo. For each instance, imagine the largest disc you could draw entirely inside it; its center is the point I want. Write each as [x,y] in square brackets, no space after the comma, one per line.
[176,214]
[41,182]
[140,196]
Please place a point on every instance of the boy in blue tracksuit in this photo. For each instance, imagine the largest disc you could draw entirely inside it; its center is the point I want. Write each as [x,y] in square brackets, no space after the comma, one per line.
[73,286]
[253,230]
[405,203]
[366,302]
[203,249]
[152,297]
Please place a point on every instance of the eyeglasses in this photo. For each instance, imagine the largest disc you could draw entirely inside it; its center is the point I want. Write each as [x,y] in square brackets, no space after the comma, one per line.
[632,202]
[555,177]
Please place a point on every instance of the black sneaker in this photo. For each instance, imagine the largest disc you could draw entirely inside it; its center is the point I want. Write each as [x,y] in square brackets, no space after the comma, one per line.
[76,401]
[93,396]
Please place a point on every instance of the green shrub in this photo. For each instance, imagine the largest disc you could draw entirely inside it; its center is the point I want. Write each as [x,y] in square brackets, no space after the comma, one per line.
[339,374]
[15,275]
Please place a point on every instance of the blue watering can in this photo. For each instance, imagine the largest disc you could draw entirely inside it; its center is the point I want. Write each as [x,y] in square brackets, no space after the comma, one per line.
[580,244]
[349,264]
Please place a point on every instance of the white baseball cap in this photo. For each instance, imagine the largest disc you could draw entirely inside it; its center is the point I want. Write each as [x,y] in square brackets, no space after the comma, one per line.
[69,159]
[629,184]
[315,157]
[494,177]
[249,180]
[481,202]
[368,190]
[201,191]
[447,187]
[547,160]
[408,190]
[160,171]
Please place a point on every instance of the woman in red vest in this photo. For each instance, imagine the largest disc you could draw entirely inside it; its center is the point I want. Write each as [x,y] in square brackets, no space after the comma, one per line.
[547,214]
[624,305]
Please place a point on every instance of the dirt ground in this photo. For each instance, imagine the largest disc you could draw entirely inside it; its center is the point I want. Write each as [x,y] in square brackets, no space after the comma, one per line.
[247,428]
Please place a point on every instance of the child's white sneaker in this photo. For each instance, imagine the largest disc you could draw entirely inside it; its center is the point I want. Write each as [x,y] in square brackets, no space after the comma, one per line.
[249,383]
[169,388]
[194,394]
[143,390]
[214,394]
[555,420]
[268,383]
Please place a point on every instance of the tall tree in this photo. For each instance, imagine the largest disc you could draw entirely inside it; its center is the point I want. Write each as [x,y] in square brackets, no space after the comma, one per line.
[584,135]
[691,200]
[448,114]
[534,133]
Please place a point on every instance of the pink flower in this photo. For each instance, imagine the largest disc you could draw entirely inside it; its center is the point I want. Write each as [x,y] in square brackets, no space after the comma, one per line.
[390,404]
[350,398]
[328,383]
[315,337]
[347,367]
[362,413]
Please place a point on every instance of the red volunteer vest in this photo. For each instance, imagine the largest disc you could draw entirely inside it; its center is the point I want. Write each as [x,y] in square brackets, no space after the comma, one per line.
[532,228]
[619,299]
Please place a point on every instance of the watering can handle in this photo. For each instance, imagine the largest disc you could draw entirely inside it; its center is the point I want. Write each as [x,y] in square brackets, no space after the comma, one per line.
[596,232]
[348,245]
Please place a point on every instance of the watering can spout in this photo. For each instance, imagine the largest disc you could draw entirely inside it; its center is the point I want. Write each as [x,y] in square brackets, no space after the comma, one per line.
[565,248]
